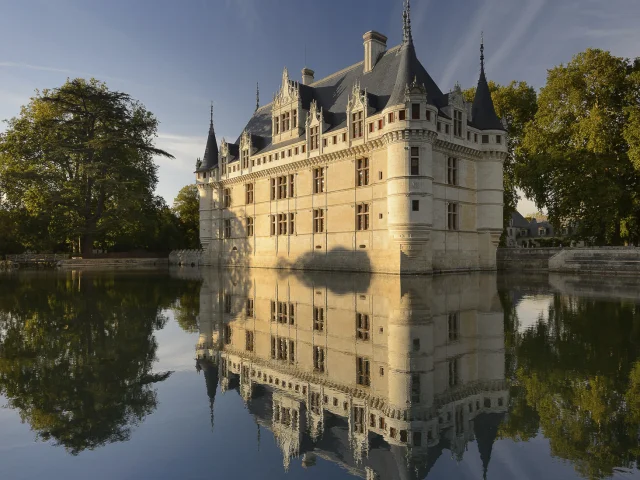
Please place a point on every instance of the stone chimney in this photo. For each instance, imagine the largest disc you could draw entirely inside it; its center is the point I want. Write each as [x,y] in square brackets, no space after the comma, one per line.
[374,44]
[307,76]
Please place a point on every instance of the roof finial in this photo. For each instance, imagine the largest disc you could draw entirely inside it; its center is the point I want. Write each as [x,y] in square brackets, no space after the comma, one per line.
[211,120]
[406,23]
[482,51]
[257,96]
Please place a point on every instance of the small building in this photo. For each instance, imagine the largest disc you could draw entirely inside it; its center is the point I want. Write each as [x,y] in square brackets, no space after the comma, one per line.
[372,168]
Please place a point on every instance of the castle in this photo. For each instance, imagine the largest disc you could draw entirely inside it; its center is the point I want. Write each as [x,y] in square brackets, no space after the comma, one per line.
[380,374]
[371,168]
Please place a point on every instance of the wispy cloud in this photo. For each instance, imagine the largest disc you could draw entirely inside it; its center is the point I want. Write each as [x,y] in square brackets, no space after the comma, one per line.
[46,68]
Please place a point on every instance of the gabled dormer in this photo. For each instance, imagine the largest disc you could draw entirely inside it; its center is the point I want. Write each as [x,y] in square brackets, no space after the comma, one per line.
[357,112]
[314,127]
[287,111]
[246,150]
[224,157]
[417,107]
[457,109]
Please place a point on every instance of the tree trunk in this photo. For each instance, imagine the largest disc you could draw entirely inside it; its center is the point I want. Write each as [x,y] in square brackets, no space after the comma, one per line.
[87,246]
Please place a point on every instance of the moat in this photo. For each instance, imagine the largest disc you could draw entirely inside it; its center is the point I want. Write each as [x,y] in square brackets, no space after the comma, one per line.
[203,373]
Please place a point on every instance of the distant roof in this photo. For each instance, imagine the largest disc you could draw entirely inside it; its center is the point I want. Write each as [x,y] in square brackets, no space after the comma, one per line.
[518,220]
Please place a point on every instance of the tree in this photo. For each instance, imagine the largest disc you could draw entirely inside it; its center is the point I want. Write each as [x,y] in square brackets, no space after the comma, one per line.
[579,150]
[517,104]
[79,161]
[187,207]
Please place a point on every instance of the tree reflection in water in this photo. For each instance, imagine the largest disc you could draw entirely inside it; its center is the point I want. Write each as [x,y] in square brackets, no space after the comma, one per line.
[77,350]
[575,377]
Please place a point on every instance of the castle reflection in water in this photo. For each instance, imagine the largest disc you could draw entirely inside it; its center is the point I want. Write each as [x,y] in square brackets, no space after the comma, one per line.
[377,373]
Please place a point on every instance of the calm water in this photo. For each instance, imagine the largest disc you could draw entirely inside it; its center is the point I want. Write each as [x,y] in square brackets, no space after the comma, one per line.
[262,374]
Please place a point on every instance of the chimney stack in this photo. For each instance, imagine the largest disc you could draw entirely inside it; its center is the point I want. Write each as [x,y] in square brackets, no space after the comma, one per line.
[307,76]
[374,44]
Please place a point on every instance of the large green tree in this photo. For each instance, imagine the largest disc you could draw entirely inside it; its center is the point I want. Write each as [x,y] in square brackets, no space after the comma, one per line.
[517,104]
[187,207]
[580,149]
[78,161]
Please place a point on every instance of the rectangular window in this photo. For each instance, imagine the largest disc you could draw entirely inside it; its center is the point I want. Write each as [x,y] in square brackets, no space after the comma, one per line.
[498,139]
[358,420]
[415,161]
[276,125]
[454,372]
[356,125]
[391,118]
[380,124]
[485,138]
[453,326]
[245,158]
[362,211]
[289,153]
[292,179]
[457,123]
[285,121]
[452,171]
[452,216]
[249,226]
[226,334]
[318,359]
[227,228]
[282,187]
[277,156]
[313,138]
[318,319]
[249,342]
[468,136]
[227,303]
[227,198]
[428,115]
[362,371]
[318,220]
[249,307]
[282,224]
[335,139]
[446,128]
[296,150]
[362,178]
[371,127]
[294,121]
[475,137]
[304,148]
[415,388]
[402,115]
[273,188]
[318,180]
[417,439]
[324,142]
[248,189]
[292,224]
[344,137]
[439,126]
[362,326]
[415,205]
[273,225]
[415,111]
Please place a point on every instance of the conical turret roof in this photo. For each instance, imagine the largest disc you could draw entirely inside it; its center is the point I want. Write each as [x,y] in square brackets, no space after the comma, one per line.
[210,159]
[483,113]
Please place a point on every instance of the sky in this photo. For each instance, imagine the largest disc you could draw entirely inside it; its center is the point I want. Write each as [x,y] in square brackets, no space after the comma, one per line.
[178,56]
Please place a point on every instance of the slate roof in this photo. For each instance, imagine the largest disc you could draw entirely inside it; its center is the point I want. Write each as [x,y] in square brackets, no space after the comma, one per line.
[518,220]
[210,159]
[482,112]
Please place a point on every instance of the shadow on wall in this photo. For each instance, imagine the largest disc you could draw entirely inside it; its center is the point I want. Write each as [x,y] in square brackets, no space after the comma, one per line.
[314,268]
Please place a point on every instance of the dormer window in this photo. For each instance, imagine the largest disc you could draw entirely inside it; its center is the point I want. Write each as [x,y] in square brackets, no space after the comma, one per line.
[276,125]
[402,115]
[415,111]
[357,125]
[313,138]
[245,158]
[294,122]
[457,123]
[285,121]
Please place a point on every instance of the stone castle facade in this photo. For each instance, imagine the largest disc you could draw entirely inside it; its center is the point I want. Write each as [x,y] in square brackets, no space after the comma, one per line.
[372,168]
[381,374]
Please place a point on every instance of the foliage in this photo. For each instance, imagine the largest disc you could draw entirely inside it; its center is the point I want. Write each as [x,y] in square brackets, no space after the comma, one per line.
[517,103]
[186,207]
[77,351]
[78,163]
[580,150]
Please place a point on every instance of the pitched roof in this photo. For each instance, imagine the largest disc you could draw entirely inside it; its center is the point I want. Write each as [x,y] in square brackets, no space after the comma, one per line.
[483,114]
[210,159]
[518,220]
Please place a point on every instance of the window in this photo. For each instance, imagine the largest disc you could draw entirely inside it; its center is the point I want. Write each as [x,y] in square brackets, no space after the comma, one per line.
[245,158]
[318,359]
[358,419]
[227,303]
[457,123]
[282,312]
[454,378]
[415,111]
[475,137]
[498,139]
[468,136]
[452,216]
[356,125]
[249,226]
[452,171]
[314,402]
[282,187]
[227,228]
[249,307]
[439,126]
[292,224]
[391,118]
[285,121]
[402,115]
[428,115]
[415,388]
[415,205]
[273,224]
[249,342]
[446,128]
[318,220]
[318,180]
[282,224]
[282,349]
[296,150]
[313,138]
[227,197]
[453,326]
[371,127]
[380,124]
[276,125]
[294,122]
[248,190]
[362,326]
[362,216]
[344,137]
[362,165]
[292,179]
[324,142]
[485,138]
[318,319]
[226,334]
[415,161]
[289,153]
[304,148]
[362,371]
[382,424]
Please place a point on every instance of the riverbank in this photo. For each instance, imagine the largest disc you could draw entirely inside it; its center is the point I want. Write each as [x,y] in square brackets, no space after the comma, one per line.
[113,263]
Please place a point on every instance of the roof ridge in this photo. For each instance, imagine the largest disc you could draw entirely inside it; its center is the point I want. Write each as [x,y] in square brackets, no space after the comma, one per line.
[339,72]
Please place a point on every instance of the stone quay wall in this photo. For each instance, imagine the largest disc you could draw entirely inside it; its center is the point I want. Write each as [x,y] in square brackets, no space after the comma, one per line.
[113,263]
[525,259]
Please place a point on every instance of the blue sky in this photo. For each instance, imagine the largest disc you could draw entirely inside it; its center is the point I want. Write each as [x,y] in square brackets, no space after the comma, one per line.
[177,56]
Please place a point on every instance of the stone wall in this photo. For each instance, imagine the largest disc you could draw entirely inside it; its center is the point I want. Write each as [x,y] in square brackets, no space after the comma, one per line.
[525,259]
[111,263]
[602,260]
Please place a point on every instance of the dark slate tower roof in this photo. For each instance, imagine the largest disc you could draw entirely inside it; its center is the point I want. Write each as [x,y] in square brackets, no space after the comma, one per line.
[485,428]
[210,159]
[483,113]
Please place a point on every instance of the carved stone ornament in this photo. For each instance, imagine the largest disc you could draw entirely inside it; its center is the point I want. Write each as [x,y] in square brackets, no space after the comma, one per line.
[245,140]
[314,114]
[455,96]
[289,91]
[224,148]
[358,98]
[414,88]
